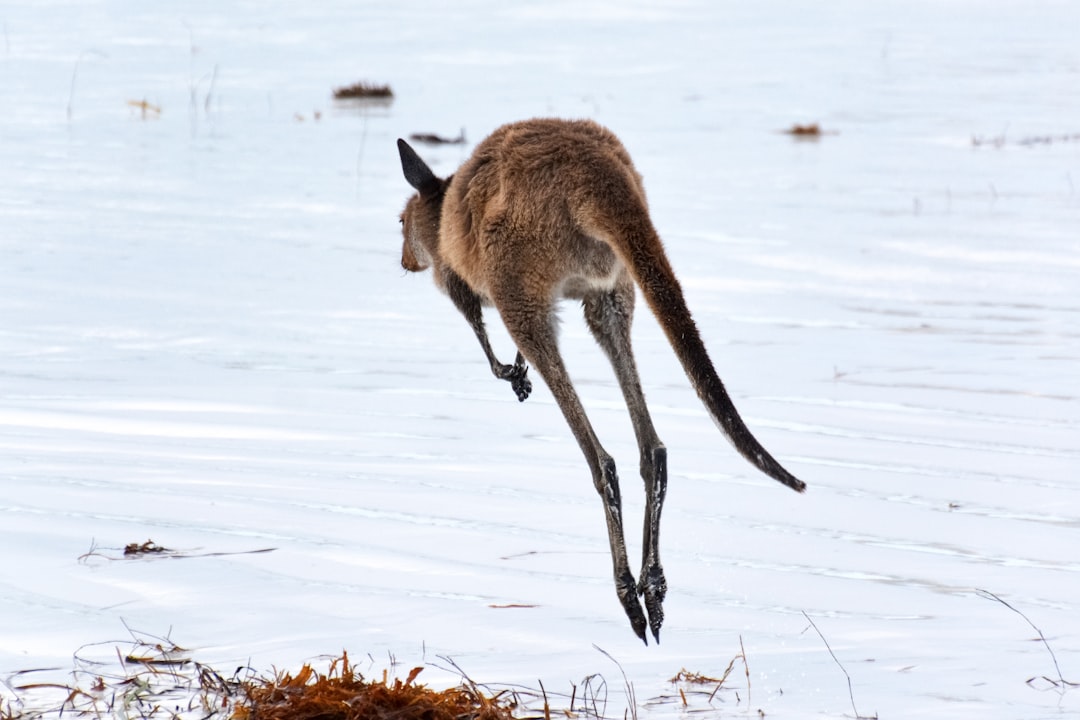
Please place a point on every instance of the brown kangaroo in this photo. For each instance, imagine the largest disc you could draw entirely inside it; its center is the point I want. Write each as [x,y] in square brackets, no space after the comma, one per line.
[552,209]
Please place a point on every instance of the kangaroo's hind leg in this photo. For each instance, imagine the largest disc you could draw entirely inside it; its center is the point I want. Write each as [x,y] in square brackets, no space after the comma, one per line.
[609,314]
[531,323]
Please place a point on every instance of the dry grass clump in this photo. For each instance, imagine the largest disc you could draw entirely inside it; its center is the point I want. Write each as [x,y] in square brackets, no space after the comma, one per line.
[999,141]
[811,130]
[688,683]
[343,694]
[434,139]
[155,679]
[808,131]
[362,90]
[146,109]
[694,678]
[147,548]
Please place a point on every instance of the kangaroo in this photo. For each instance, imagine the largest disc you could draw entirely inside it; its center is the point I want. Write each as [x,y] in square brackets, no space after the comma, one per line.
[549,209]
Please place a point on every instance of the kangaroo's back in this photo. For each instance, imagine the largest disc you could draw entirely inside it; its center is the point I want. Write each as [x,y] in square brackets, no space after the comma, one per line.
[548,157]
[527,198]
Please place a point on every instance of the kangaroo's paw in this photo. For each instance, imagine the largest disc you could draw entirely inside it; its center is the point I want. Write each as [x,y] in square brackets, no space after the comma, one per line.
[521,385]
[516,375]
[627,591]
[653,587]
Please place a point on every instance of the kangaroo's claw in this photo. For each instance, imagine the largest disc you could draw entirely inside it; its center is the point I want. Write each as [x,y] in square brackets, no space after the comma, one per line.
[626,589]
[653,587]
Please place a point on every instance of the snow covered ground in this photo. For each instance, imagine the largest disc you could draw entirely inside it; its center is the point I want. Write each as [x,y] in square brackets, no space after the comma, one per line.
[206,340]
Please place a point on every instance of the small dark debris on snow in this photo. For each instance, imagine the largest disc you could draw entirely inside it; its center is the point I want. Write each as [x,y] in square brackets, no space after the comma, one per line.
[999,141]
[433,139]
[362,90]
[811,131]
[147,548]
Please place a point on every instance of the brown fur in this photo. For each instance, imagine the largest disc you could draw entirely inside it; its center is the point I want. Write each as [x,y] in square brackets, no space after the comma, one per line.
[552,209]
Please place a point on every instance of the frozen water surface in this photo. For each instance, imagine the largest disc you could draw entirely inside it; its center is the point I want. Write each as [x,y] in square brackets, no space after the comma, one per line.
[206,339]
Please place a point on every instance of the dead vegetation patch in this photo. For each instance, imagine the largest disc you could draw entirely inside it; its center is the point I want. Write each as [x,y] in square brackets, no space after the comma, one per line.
[153,678]
[808,131]
[156,679]
[690,685]
[434,139]
[811,130]
[363,90]
[997,142]
[147,110]
[693,678]
[147,548]
[344,694]
[150,549]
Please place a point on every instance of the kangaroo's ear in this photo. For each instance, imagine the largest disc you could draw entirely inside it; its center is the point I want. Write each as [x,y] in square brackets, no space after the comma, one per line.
[416,171]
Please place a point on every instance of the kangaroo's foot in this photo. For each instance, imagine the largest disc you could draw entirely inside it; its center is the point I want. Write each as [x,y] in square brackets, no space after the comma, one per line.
[516,375]
[627,591]
[653,587]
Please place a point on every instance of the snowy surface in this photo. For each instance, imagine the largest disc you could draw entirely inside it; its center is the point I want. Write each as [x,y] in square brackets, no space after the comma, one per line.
[206,340]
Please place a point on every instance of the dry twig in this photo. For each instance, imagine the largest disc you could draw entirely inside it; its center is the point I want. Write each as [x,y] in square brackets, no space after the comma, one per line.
[1061,683]
[628,686]
[851,693]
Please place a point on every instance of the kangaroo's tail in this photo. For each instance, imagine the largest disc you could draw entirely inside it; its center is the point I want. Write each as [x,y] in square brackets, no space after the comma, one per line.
[639,246]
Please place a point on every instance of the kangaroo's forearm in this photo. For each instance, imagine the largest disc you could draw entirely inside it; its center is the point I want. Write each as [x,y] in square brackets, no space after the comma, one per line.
[468,302]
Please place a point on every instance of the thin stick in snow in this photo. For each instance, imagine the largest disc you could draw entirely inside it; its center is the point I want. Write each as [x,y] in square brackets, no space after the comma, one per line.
[75,74]
[1065,684]
[851,693]
[746,667]
[630,697]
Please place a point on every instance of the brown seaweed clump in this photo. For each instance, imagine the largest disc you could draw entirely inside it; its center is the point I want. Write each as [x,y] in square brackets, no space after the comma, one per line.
[147,548]
[343,694]
[812,130]
[362,90]
[434,139]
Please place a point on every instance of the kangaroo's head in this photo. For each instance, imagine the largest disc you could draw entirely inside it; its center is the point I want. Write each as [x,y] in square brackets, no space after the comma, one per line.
[420,219]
